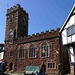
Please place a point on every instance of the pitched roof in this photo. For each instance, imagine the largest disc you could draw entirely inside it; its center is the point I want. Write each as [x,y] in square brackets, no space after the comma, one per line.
[67,18]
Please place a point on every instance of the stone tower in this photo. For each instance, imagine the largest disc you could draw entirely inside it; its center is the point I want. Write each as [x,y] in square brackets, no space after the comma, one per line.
[16,23]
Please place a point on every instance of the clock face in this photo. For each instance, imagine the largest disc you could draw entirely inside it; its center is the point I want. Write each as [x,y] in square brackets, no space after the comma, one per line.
[11,33]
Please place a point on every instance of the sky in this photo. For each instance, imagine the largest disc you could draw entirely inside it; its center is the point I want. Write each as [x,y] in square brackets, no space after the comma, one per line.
[43,14]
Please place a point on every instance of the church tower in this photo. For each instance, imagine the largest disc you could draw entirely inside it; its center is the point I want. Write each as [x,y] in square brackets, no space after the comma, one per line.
[16,23]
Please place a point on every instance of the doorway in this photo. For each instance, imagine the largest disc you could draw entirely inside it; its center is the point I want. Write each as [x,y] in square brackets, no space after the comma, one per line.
[11,66]
[43,69]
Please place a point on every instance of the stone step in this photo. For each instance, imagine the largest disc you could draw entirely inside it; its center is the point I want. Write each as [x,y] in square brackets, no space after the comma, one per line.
[67,74]
[17,74]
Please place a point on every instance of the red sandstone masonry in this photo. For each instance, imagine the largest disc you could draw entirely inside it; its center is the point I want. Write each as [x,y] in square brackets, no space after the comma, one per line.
[20,64]
[52,38]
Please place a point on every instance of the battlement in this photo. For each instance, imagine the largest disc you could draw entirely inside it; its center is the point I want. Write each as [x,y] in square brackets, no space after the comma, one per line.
[40,34]
[15,8]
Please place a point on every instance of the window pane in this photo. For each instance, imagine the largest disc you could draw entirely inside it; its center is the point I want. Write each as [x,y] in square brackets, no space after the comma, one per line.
[19,54]
[42,48]
[29,52]
[42,54]
[34,52]
[53,65]
[11,18]
[23,53]
[45,47]
[68,31]
[47,51]
[50,65]
[73,29]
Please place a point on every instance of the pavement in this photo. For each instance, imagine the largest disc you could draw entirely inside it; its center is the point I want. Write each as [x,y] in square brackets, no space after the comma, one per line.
[1,73]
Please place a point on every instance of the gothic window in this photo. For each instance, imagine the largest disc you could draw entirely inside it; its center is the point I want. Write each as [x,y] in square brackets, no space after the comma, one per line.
[52,65]
[46,48]
[11,36]
[11,18]
[23,21]
[22,52]
[11,53]
[32,51]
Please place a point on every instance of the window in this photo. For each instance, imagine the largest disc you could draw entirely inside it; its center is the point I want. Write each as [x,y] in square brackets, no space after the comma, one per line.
[23,21]
[32,51]
[11,36]
[11,53]
[11,18]
[6,56]
[71,30]
[46,48]
[51,65]
[22,52]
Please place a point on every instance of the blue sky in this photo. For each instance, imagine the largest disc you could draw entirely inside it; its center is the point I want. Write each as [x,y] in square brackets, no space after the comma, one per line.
[43,14]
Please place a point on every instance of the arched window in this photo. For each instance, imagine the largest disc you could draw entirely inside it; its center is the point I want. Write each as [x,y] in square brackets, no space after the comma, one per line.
[11,18]
[32,51]
[11,53]
[23,21]
[46,48]
[21,52]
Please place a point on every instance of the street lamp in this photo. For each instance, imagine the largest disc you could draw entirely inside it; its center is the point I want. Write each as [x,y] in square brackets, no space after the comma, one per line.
[43,51]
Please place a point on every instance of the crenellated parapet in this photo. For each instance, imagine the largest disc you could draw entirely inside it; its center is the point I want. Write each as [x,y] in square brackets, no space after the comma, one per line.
[15,8]
[46,34]
[42,34]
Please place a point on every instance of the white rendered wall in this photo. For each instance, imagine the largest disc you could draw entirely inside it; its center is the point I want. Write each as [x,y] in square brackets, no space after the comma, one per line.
[72,20]
[73,38]
[70,39]
[64,37]
[72,54]
[1,55]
